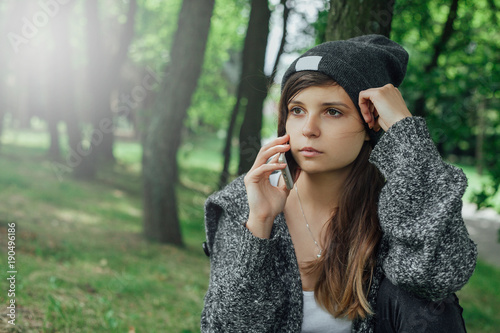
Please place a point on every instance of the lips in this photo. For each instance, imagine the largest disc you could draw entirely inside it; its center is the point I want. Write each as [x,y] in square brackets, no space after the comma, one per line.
[310,152]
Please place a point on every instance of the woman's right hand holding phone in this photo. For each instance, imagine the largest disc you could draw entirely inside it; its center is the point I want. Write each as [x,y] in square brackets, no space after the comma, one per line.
[265,200]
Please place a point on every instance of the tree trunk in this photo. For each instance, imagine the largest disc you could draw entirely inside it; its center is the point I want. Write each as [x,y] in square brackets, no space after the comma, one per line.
[52,113]
[224,176]
[254,83]
[61,104]
[104,71]
[65,80]
[101,149]
[111,80]
[160,174]
[234,114]
[286,13]
[86,167]
[55,147]
[349,19]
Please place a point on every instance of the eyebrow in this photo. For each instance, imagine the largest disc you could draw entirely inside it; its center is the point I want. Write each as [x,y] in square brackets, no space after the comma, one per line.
[323,104]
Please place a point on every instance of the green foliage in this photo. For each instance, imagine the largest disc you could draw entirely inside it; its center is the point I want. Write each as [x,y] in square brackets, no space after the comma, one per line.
[214,99]
[481,196]
[156,22]
[476,185]
[320,26]
[464,82]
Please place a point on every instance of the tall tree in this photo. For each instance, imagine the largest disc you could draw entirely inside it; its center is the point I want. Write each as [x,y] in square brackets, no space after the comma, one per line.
[349,18]
[104,69]
[160,170]
[63,78]
[254,83]
[60,104]
[243,86]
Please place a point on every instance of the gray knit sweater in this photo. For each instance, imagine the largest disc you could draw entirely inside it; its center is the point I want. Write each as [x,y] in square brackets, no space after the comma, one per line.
[255,283]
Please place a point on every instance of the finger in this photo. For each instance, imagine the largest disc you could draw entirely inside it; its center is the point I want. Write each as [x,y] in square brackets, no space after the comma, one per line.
[277,141]
[376,120]
[273,159]
[373,112]
[264,171]
[365,105]
[266,153]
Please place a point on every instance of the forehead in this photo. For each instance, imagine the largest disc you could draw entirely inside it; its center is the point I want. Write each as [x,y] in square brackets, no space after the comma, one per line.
[323,94]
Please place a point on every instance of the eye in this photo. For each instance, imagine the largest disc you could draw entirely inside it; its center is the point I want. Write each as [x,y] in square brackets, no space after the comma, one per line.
[296,110]
[334,112]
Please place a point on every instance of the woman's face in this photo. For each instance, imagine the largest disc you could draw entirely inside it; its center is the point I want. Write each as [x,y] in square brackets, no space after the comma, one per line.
[326,132]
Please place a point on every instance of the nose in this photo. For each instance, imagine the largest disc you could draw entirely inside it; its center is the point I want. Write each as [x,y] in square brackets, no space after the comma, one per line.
[311,127]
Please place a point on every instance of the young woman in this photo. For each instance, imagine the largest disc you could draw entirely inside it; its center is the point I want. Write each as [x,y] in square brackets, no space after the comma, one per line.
[371,237]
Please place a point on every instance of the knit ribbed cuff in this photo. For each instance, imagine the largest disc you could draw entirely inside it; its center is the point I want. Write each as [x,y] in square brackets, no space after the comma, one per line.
[255,252]
[404,144]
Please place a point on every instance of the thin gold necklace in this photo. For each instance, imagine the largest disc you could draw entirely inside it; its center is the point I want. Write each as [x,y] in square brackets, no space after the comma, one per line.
[307,224]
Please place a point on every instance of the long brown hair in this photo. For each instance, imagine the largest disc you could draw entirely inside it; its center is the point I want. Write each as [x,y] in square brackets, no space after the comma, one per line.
[353,231]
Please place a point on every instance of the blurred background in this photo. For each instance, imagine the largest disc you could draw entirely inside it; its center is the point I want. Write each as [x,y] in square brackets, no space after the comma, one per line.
[119,117]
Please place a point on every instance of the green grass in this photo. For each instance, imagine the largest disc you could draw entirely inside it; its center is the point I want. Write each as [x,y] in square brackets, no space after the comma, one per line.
[83,265]
[480,299]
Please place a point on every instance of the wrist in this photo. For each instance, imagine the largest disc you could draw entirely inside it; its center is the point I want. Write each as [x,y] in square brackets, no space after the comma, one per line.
[260,226]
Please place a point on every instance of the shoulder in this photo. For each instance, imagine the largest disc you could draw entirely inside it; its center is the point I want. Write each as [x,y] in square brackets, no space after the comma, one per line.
[231,197]
[229,204]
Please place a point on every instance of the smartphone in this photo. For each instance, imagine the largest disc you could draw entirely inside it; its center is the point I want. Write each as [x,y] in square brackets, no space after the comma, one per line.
[287,176]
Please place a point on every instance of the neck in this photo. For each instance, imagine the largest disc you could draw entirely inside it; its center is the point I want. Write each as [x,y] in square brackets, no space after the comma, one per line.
[320,192]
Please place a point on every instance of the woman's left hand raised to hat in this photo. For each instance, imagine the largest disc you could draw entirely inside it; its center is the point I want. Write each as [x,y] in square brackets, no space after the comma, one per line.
[382,107]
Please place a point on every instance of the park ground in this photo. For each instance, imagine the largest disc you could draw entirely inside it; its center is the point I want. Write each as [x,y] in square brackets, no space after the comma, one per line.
[84,266]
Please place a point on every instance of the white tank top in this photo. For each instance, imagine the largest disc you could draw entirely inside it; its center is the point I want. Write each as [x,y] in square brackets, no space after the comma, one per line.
[316,319]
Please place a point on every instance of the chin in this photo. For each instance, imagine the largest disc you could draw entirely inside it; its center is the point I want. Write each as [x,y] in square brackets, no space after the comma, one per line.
[317,168]
[312,169]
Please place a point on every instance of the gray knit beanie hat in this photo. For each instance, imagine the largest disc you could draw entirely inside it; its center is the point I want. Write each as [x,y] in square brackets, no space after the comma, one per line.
[356,64]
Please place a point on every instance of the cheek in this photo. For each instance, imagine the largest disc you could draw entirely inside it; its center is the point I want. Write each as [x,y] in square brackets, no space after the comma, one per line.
[292,131]
[345,135]
[352,146]
[355,138]
[290,128]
